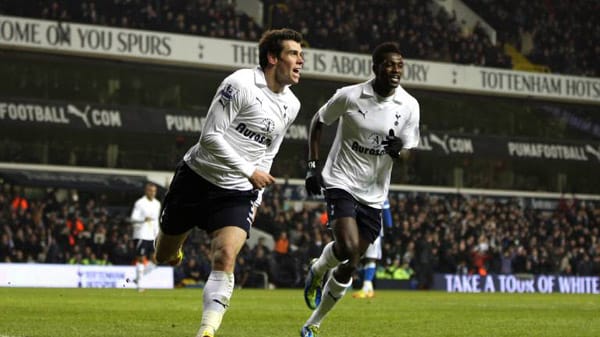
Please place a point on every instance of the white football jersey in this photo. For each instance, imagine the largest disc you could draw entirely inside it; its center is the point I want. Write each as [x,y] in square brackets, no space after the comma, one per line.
[357,162]
[244,128]
[144,208]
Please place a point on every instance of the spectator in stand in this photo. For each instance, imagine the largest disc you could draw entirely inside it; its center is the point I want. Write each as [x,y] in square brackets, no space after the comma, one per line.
[19,203]
[4,203]
[75,256]
[424,260]
[19,256]
[297,236]
[192,273]
[19,240]
[6,247]
[481,255]
[282,244]
[242,271]
[261,265]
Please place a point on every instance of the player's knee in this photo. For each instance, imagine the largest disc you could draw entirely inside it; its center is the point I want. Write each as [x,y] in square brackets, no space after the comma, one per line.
[224,258]
[348,250]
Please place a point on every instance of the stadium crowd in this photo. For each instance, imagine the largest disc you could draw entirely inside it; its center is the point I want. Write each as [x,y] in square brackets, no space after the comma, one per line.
[359,26]
[562,35]
[431,234]
[215,18]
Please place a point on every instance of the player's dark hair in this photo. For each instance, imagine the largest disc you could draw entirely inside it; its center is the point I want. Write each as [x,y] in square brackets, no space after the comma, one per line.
[271,42]
[382,49]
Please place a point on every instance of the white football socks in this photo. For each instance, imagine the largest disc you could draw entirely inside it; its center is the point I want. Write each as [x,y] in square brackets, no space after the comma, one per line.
[326,261]
[369,274]
[139,273]
[216,295]
[332,292]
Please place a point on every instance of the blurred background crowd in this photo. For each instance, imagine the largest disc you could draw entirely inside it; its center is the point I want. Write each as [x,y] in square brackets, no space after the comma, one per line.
[461,234]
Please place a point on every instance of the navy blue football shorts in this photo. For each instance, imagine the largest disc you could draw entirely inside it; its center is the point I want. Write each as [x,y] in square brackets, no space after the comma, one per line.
[144,247]
[341,204]
[192,201]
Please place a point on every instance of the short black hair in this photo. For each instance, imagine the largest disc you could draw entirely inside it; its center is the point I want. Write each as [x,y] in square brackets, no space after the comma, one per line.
[384,48]
[270,42]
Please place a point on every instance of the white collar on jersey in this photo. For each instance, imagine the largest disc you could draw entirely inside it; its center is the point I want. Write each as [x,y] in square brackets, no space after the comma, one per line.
[368,90]
[261,81]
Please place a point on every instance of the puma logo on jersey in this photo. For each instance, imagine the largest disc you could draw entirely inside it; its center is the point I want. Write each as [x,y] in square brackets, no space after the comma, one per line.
[242,128]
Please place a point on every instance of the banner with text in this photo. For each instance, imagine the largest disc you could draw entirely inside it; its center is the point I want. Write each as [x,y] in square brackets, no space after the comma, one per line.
[517,284]
[450,144]
[198,51]
[81,276]
[110,118]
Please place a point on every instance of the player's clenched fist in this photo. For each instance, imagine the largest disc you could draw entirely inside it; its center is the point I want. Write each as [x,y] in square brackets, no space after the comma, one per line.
[261,179]
[392,145]
[313,181]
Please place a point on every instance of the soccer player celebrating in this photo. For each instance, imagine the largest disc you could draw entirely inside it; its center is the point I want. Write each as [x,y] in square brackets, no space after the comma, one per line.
[378,121]
[219,183]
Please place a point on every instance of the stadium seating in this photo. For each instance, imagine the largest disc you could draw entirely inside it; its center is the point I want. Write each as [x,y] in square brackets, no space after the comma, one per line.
[424,31]
[358,26]
[559,34]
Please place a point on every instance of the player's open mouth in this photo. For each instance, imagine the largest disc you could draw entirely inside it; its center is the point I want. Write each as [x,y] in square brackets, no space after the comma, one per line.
[297,71]
[395,79]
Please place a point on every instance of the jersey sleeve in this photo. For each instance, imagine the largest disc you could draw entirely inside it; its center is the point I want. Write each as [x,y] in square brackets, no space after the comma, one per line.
[334,108]
[230,99]
[410,133]
[137,214]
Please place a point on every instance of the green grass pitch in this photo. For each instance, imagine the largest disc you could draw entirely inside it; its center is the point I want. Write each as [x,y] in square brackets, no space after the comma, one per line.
[28,312]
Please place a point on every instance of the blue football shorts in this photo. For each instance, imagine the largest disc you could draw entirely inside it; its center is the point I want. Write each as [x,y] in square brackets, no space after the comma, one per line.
[341,204]
[144,247]
[192,201]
